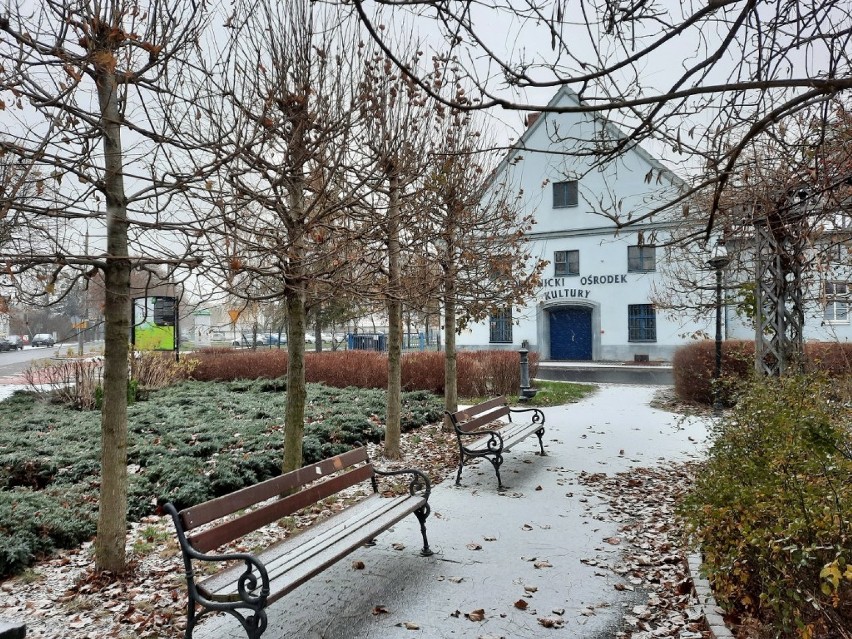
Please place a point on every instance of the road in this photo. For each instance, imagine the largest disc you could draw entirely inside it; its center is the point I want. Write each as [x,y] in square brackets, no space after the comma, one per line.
[14,362]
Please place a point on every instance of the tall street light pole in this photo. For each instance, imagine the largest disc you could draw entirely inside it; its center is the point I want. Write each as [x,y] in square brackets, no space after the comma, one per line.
[718,261]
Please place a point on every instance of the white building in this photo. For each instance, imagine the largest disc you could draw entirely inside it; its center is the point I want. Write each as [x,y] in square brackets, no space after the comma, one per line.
[596,299]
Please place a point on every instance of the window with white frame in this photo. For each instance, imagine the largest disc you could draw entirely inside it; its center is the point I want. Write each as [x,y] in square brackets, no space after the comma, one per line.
[565,194]
[641,259]
[566,263]
[836,302]
[500,327]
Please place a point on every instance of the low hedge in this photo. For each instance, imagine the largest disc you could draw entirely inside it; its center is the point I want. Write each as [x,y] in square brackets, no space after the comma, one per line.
[480,373]
[693,366]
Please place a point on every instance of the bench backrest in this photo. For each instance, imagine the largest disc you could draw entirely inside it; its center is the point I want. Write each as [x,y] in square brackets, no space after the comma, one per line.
[475,417]
[300,486]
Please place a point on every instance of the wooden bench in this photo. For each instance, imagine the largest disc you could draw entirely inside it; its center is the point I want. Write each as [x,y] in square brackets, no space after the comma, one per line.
[250,582]
[491,436]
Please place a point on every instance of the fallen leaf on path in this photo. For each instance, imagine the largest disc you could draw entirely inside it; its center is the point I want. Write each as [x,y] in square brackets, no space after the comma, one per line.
[476,615]
[551,622]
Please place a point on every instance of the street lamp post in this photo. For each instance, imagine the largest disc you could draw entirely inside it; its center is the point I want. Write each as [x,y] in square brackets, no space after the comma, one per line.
[718,261]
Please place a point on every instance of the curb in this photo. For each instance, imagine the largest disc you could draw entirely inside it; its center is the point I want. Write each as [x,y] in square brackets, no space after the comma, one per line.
[12,630]
[713,614]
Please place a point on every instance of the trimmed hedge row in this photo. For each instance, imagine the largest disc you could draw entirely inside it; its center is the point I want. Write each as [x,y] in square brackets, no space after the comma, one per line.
[693,366]
[480,373]
[771,508]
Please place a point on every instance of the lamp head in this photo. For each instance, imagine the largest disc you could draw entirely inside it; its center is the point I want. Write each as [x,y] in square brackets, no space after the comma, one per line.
[719,257]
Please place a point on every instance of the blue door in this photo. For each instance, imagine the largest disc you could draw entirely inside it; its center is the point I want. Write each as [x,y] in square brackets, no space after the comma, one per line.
[571,333]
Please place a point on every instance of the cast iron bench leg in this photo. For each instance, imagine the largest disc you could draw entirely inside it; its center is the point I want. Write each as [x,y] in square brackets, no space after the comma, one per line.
[458,474]
[421,515]
[540,433]
[497,462]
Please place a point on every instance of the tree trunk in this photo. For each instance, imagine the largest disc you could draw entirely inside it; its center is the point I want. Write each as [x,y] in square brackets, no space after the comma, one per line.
[112,512]
[451,399]
[394,393]
[294,424]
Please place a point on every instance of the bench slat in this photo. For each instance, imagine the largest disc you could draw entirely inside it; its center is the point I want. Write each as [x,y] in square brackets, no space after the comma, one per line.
[512,434]
[374,508]
[251,495]
[484,420]
[472,411]
[293,561]
[229,531]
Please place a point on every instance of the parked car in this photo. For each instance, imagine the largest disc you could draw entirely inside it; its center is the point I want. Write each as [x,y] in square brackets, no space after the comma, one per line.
[4,344]
[274,339]
[248,339]
[43,339]
[16,342]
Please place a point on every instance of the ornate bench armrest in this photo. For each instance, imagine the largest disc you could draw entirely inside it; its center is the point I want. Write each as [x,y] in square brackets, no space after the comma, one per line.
[419,481]
[537,417]
[247,582]
[495,439]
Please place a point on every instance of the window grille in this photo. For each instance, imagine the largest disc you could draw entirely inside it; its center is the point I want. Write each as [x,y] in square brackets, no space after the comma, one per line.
[641,323]
[501,327]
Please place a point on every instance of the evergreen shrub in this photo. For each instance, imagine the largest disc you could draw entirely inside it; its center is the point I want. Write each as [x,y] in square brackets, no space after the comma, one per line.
[772,507]
[190,442]
[34,522]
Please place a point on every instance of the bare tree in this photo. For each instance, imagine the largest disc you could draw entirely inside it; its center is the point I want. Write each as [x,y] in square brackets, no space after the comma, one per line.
[395,126]
[743,67]
[87,89]
[288,110]
[478,234]
[785,220]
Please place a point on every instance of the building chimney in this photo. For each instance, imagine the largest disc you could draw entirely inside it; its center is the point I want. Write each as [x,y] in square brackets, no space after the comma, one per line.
[531,118]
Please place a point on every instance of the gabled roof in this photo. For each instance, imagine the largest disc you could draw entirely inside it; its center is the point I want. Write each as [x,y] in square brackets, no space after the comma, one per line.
[566,94]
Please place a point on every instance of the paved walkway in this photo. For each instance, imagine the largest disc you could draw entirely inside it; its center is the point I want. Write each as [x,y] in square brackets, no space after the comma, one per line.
[487,544]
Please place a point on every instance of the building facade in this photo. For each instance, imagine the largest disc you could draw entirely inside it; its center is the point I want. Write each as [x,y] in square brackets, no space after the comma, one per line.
[595,300]
[605,231]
